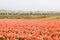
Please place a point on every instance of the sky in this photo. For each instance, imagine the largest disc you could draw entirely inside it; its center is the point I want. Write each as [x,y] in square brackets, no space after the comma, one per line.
[30,5]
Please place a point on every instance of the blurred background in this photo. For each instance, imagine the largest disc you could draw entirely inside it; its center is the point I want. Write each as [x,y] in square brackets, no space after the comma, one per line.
[30,9]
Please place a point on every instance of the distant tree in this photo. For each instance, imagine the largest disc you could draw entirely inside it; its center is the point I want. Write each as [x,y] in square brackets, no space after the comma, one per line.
[30,13]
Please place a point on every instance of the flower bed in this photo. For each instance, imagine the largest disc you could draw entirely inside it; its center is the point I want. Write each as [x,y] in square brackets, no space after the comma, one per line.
[30,29]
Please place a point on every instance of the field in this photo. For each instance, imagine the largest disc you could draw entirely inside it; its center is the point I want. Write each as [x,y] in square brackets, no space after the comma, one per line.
[30,16]
[29,29]
[29,26]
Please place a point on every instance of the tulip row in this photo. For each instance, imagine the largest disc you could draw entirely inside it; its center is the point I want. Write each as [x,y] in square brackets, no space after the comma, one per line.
[29,29]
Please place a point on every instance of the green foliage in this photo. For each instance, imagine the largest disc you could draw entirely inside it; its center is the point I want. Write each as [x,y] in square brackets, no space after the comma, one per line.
[29,16]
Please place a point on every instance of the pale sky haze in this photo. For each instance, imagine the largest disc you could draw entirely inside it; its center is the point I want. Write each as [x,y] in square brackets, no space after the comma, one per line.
[30,5]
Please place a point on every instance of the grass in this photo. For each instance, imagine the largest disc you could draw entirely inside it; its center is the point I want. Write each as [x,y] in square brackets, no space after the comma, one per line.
[32,16]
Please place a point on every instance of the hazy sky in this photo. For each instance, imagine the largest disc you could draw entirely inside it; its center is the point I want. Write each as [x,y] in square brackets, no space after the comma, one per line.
[41,5]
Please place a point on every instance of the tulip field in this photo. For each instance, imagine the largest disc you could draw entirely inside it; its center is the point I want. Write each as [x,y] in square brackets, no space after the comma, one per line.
[29,29]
